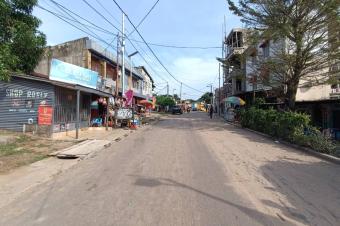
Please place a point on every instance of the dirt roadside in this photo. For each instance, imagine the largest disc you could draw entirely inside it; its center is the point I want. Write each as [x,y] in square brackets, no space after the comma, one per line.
[17,149]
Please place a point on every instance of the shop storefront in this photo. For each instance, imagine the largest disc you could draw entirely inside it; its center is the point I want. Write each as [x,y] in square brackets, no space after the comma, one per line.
[325,115]
[66,101]
[26,105]
[86,105]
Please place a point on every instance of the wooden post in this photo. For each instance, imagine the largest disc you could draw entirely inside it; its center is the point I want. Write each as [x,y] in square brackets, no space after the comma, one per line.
[104,69]
[107,114]
[77,116]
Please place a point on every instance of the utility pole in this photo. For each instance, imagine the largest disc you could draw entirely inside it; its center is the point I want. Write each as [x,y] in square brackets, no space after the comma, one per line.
[212,95]
[123,55]
[219,89]
[180,93]
[117,67]
[167,89]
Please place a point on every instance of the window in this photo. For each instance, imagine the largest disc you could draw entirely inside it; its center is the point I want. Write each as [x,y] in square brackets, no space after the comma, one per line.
[238,85]
[266,51]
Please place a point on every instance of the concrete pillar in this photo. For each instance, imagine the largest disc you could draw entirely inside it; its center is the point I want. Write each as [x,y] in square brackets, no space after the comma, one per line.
[130,82]
[77,114]
[88,59]
[103,70]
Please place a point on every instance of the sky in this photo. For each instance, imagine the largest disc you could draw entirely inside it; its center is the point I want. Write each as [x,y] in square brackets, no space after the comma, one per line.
[172,22]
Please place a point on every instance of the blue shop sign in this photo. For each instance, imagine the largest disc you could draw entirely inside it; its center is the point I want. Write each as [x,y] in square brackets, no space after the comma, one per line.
[69,73]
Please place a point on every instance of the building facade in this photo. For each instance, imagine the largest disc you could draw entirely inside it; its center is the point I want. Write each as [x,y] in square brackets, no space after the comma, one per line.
[245,77]
[71,88]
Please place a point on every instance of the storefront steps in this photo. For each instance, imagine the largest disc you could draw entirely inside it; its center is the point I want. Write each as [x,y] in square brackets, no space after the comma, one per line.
[83,149]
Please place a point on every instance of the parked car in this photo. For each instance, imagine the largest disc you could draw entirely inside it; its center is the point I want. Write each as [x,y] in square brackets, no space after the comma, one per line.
[177,110]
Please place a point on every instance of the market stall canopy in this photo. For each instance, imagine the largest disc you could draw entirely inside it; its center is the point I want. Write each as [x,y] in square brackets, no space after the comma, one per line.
[235,100]
[145,102]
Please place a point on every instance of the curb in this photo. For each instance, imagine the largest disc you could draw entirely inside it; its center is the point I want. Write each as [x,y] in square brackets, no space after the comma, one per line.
[310,151]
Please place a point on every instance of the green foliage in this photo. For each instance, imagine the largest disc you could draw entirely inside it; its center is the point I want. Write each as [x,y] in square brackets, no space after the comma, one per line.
[206,98]
[176,97]
[258,101]
[21,44]
[165,100]
[308,31]
[291,126]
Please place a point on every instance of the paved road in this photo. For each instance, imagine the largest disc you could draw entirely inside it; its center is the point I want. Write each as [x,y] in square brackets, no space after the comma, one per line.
[187,170]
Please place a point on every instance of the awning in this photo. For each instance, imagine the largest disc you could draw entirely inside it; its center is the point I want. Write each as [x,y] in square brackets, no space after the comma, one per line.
[65,85]
[93,91]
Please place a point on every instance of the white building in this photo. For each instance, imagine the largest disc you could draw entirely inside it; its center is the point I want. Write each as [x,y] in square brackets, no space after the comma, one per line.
[148,83]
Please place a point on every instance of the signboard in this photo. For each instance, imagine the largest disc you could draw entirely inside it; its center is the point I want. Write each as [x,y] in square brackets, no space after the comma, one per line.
[45,115]
[129,97]
[124,113]
[69,73]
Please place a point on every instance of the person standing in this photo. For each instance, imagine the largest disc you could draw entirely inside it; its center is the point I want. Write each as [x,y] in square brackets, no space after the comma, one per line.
[211,111]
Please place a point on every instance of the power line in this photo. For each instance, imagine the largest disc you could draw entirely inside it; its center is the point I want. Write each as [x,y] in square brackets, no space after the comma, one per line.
[109,44]
[101,5]
[101,15]
[62,9]
[142,20]
[112,25]
[60,17]
[93,24]
[153,53]
[147,62]
[179,47]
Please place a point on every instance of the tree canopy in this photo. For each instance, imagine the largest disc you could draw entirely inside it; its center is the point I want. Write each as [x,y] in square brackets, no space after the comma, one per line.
[164,100]
[206,97]
[21,44]
[306,28]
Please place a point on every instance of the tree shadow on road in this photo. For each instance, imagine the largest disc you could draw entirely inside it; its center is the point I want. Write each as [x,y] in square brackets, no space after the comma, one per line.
[311,188]
[261,218]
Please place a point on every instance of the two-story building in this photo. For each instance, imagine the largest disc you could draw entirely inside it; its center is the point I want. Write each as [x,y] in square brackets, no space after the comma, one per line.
[148,82]
[71,87]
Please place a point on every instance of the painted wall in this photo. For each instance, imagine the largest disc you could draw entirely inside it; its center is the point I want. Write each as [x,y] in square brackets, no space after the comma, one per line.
[19,102]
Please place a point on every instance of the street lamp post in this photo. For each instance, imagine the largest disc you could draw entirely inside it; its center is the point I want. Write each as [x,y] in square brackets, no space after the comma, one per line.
[173,95]
[130,58]
[211,93]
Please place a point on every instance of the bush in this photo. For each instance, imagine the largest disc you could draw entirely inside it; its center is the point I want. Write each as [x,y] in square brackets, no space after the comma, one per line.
[290,126]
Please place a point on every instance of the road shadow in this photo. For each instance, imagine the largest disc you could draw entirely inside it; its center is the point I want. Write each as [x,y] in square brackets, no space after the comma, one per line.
[261,218]
[311,189]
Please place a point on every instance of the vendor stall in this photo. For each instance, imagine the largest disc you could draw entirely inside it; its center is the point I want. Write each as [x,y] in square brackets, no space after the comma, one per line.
[231,104]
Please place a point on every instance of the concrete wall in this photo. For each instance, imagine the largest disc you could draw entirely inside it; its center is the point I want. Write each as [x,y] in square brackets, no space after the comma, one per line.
[320,92]
[73,52]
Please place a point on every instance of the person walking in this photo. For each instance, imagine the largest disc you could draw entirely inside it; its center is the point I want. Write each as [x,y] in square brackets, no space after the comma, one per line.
[211,111]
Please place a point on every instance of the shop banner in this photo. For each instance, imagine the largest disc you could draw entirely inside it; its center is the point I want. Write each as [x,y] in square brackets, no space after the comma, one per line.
[129,97]
[45,115]
[69,73]
[154,102]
